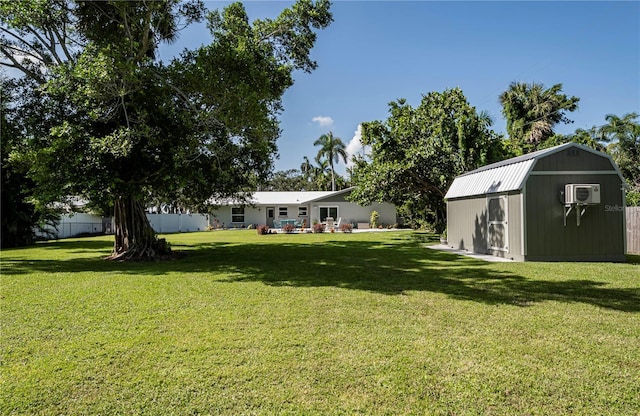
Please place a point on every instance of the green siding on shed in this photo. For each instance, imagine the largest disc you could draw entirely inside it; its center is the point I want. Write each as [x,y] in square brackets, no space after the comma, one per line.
[600,235]
[573,159]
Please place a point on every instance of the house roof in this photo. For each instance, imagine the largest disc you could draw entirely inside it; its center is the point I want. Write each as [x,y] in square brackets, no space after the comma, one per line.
[284,197]
[507,175]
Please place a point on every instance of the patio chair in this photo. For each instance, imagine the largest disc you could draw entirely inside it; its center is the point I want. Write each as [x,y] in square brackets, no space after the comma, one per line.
[276,224]
[337,224]
[328,223]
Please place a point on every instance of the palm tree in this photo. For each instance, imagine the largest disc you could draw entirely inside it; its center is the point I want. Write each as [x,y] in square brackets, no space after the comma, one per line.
[333,149]
[532,111]
[306,168]
[624,134]
[320,174]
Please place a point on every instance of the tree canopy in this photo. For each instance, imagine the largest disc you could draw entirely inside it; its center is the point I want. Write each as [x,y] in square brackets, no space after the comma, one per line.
[532,111]
[417,152]
[124,126]
[624,135]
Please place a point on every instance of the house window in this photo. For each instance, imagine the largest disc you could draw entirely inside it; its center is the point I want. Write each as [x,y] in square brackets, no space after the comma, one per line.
[328,212]
[282,212]
[237,214]
[302,211]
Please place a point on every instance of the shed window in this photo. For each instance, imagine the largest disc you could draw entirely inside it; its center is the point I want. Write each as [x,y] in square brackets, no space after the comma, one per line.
[497,224]
[237,214]
[496,209]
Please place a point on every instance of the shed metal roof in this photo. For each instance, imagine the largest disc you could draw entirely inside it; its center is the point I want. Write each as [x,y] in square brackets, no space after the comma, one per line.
[507,175]
[500,179]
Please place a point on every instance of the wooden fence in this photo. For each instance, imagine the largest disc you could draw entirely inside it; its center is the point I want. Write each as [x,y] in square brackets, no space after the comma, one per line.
[633,230]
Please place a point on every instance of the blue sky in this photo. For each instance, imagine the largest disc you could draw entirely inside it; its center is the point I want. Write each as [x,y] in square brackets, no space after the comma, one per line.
[378,51]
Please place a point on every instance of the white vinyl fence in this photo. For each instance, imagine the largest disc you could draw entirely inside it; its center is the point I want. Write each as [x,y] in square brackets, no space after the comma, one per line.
[178,223]
[72,225]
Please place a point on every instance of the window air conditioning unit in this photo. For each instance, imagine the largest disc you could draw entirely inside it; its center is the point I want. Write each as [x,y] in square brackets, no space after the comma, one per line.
[583,194]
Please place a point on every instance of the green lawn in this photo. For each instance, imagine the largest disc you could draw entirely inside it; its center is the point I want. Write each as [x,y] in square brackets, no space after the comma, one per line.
[368,324]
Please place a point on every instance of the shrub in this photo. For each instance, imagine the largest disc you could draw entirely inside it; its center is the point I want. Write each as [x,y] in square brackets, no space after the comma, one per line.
[373,220]
[288,228]
[346,228]
[262,229]
[318,228]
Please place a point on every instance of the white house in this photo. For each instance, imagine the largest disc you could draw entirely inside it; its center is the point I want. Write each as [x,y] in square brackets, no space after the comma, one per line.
[309,206]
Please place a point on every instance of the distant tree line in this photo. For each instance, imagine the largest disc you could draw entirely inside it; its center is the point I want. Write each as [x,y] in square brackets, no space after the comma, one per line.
[310,177]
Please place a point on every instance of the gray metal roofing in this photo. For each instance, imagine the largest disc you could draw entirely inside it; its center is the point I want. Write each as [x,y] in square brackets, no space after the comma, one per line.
[507,175]
[281,197]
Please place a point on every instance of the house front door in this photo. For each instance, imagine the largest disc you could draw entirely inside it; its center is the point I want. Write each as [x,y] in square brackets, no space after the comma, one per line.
[271,214]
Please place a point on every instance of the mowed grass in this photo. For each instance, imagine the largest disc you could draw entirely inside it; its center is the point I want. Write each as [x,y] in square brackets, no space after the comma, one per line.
[325,324]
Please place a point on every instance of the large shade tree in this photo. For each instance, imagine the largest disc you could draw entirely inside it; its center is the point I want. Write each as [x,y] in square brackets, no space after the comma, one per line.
[417,152]
[532,111]
[125,126]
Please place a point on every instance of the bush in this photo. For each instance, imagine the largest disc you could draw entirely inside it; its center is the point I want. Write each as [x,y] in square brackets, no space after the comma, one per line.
[262,229]
[318,228]
[373,220]
[346,228]
[288,228]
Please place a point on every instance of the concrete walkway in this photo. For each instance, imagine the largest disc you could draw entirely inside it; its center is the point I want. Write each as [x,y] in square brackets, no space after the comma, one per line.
[484,257]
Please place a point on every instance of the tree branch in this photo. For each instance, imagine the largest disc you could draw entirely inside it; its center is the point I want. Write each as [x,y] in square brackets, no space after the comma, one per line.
[145,36]
[19,66]
[24,52]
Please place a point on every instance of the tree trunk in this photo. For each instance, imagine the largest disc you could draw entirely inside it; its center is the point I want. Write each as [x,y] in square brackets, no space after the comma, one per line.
[135,239]
[333,176]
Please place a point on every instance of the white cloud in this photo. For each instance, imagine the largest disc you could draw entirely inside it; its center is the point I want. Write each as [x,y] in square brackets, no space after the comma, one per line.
[323,121]
[355,145]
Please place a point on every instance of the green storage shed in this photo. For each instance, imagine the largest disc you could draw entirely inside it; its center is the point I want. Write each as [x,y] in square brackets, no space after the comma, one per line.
[565,203]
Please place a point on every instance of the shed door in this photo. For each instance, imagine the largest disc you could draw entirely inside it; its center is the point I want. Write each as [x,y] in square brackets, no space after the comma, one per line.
[497,223]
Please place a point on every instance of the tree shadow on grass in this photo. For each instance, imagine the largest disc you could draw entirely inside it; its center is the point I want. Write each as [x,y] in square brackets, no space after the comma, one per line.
[391,267]
[405,267]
